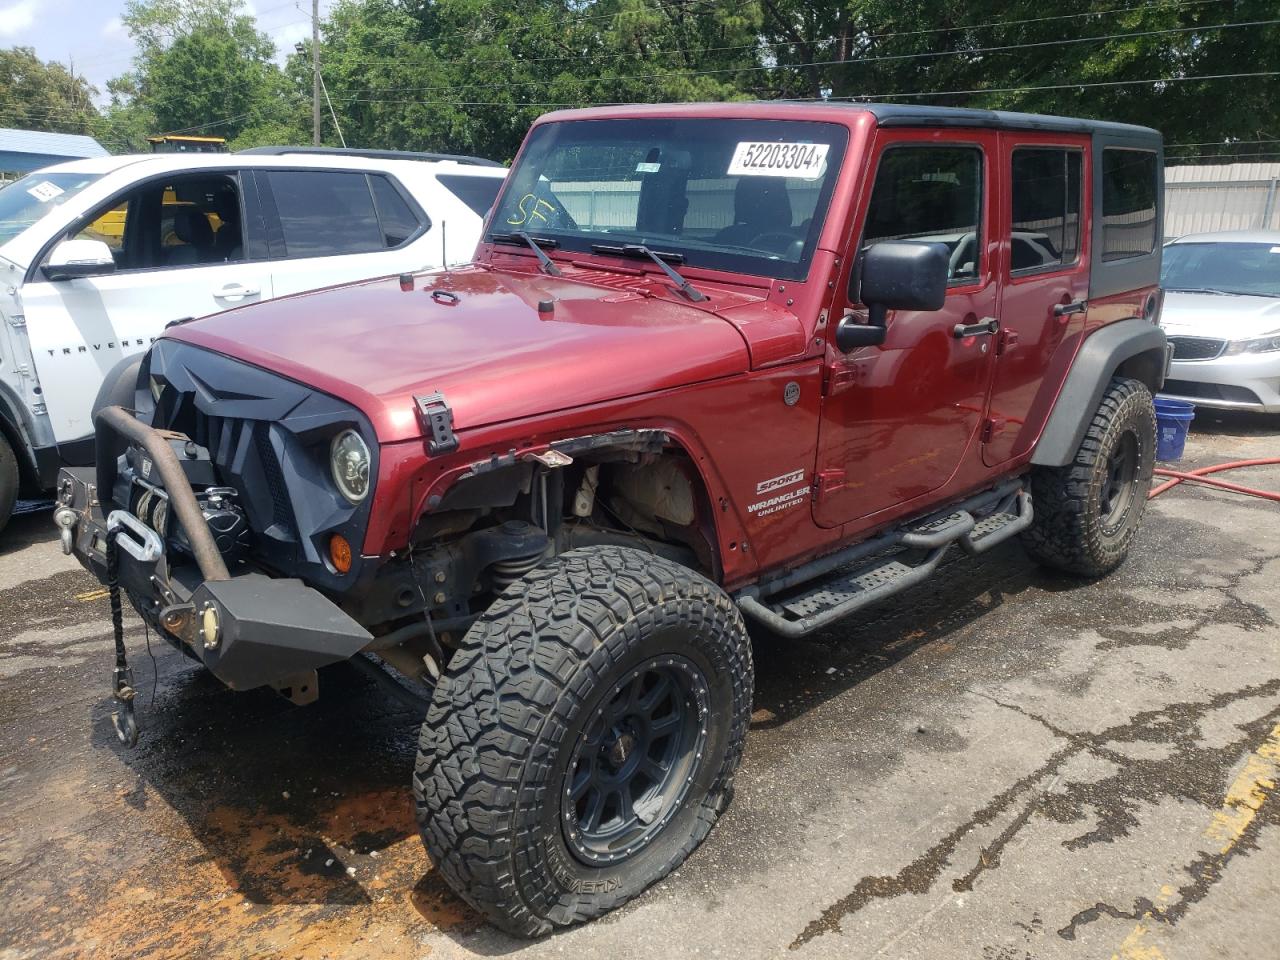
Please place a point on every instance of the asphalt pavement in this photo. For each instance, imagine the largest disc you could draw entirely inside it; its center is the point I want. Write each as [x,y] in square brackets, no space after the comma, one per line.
[1001,765]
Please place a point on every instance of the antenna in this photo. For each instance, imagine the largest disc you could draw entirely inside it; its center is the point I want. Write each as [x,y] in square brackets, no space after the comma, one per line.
[444,246]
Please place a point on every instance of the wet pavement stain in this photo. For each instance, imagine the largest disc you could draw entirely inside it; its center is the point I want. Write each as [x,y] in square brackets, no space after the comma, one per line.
[1191,772]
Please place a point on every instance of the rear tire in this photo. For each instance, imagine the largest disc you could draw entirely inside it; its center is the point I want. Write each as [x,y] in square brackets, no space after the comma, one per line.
[1088,512]
[9,480]
[585,737]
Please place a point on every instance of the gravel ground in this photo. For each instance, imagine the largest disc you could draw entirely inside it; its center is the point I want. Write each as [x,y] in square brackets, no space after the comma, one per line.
[1001,765]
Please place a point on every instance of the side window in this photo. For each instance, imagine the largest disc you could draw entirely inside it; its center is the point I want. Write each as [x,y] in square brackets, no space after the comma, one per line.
[108,227]
[930,193]
[190,221]
[1046,207]
[398,220]
[478,193]
[325,213]
[1128,203]
[200,222]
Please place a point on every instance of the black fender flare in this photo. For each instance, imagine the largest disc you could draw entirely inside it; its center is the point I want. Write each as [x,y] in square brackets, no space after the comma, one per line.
[1134,348]
[119,385]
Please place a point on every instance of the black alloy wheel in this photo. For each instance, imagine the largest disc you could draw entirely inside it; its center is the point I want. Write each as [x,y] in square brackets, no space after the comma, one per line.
[635,761]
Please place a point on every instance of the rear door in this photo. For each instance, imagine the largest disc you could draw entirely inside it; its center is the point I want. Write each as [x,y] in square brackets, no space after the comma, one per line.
[326,227]
[181,251]
[1045,276]
[899,418]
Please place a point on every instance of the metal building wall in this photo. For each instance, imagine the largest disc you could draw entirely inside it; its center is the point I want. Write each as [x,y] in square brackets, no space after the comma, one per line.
[1229,196]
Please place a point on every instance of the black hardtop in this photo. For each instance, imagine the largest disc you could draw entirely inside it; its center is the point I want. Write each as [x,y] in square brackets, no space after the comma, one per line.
[919,115]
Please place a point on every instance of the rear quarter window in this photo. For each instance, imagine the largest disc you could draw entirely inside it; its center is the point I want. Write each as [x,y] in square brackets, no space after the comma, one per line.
[1128,203]
[478,193]
[325,213]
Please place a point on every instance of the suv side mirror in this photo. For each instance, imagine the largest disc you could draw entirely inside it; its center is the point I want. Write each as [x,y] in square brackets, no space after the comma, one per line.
[895,275]
[81,257]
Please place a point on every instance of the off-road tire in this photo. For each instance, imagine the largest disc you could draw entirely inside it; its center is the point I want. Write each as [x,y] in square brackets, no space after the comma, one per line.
[531,675]
[10,478]
[1071,531]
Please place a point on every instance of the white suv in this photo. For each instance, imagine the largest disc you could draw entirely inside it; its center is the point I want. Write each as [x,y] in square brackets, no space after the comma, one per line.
[98,256]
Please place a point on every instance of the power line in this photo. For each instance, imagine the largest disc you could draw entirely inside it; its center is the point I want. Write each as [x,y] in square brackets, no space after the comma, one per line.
[1062,86]
[688,74]
[821,41]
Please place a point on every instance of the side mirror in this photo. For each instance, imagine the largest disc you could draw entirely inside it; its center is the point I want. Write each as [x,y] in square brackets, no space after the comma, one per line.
[79,258]
[896,275]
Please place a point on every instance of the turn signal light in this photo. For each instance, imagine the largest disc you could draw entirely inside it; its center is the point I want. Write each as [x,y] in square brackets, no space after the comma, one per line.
[340,553]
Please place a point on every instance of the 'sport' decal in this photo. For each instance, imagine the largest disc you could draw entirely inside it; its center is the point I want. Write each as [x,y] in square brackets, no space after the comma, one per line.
[777,483]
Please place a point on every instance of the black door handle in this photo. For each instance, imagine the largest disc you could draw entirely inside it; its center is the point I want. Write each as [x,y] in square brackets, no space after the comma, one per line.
[1065,309]
[962,330]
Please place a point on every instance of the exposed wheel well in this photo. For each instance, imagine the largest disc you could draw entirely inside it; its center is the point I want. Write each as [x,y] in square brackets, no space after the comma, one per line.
[1146,367]
[632,489]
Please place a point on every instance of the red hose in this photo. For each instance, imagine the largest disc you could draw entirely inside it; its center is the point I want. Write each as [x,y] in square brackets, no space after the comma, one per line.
[1199,476]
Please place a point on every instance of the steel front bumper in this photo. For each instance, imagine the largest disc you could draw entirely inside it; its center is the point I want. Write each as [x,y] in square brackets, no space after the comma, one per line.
[248,628]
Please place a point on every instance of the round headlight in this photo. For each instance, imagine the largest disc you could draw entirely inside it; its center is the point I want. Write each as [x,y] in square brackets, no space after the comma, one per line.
[349,459]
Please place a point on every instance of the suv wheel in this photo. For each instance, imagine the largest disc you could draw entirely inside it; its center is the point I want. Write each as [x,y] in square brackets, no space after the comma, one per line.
[9,478]
[584,739]
[1087,513]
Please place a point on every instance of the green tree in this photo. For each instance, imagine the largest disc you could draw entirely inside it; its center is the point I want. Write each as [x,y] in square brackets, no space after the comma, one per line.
[202,66]
[43,96]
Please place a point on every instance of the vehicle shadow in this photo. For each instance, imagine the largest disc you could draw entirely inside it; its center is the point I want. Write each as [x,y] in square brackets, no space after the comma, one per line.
[1235,423]
[28,528]
[301,806]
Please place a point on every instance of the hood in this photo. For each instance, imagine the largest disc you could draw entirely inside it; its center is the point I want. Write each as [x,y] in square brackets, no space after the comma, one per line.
[478,337]
[1219,316]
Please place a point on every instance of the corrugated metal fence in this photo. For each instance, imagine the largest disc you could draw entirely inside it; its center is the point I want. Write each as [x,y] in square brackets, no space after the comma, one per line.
[1229,196]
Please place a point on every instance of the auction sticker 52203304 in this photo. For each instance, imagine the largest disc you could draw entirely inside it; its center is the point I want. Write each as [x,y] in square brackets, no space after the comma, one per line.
[754,158]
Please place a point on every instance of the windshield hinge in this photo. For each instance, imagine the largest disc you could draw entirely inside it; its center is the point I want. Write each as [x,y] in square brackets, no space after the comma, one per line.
[437,420]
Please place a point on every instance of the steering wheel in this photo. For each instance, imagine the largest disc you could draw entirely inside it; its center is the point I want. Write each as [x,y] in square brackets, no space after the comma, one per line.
[965,251]
[770,241]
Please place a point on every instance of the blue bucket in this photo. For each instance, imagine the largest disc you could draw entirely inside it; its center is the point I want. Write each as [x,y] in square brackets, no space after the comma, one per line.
[1173,419]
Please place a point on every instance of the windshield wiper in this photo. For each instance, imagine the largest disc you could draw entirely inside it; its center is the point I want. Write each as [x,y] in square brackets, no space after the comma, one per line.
[639,251]
[533,243]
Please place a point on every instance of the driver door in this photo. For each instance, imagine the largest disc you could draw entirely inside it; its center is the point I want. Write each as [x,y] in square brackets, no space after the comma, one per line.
[899,419]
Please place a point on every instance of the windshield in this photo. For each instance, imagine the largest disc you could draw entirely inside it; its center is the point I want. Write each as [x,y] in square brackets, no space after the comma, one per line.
[25,201]
[746,196]
[1244,269]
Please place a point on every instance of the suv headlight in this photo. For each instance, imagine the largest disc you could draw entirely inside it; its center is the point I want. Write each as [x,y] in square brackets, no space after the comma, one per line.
[1261,345]
[349,461]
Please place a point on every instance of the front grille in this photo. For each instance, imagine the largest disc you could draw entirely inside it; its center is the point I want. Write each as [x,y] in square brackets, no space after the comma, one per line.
[1210,391]
[1196,348]
[275,478]
[238,446]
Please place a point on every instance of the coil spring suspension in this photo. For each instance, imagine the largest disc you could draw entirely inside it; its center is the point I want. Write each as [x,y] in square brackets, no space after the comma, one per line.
[507,572]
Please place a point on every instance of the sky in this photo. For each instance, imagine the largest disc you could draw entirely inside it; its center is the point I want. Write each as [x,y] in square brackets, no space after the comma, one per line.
[90,34]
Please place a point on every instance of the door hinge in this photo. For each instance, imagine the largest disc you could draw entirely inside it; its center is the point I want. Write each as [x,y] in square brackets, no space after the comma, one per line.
[826,482]
[1006,339]
[17,320]
[991,427]
[437,420]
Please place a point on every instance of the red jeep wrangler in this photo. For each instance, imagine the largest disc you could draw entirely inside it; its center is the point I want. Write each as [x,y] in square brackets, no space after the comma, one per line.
[711,361]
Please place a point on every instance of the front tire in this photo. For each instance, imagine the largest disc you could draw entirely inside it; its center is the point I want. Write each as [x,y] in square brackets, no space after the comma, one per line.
[585,737]
[9,481]
[1088,512]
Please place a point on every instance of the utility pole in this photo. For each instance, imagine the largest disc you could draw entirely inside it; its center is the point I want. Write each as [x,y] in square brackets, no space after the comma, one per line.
[315,72]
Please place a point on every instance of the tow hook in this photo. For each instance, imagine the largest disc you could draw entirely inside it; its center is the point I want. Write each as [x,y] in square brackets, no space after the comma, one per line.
[65,519]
